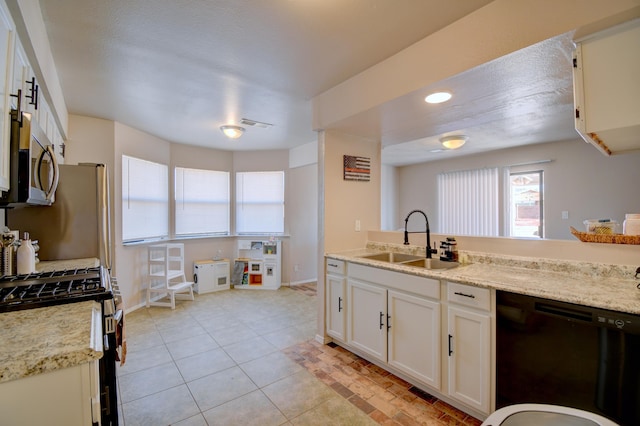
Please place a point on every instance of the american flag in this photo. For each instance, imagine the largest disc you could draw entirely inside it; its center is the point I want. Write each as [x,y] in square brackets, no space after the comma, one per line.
[357,168]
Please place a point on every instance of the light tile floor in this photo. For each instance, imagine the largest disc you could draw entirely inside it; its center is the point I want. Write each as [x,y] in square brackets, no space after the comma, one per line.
[243,357]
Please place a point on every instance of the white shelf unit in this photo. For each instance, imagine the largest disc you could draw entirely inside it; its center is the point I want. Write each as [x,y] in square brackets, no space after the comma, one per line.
[166,275]
[211,275]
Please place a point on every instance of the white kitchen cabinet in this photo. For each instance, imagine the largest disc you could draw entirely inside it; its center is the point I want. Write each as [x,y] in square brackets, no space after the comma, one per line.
[336,295]
[606,66]
[66,396]
[414,336]
[7,40]
[21,80]
[469,345]
[367,315]
[69,396]
[395,318]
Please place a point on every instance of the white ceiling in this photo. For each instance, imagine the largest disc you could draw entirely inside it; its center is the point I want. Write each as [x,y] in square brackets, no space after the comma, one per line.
[180,70]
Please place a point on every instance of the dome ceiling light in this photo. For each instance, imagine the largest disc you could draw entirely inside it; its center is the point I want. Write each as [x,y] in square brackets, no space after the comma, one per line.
[232,132]
[453,142]
[438,97]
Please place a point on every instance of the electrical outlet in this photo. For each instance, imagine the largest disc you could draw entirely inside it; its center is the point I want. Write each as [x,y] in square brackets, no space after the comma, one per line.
[565,214]
[357,225]
[296,268]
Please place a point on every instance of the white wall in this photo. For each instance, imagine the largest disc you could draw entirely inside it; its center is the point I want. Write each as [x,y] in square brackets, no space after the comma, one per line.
[390,206]
[104,141]
[579,179]
[302,213]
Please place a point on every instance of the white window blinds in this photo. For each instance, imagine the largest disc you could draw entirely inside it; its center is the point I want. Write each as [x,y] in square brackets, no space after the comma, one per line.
[260,202]
[145,199]
[201,202]
[468,202]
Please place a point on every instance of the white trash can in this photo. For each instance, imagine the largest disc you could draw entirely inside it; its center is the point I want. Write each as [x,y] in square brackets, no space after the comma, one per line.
[544,415]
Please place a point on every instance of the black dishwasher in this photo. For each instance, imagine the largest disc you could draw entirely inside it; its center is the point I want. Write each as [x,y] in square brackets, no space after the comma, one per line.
[559,353]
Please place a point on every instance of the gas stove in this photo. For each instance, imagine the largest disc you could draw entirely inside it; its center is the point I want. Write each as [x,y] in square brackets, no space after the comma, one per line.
[43,289]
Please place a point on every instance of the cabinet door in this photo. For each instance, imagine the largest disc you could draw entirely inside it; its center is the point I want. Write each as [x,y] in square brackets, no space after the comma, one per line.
[367,318]
[414,336]
[7,35]
[336,306]
[469,357]
[22,79]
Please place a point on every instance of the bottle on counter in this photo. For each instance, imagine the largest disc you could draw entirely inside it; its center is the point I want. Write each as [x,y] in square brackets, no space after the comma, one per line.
[26,256]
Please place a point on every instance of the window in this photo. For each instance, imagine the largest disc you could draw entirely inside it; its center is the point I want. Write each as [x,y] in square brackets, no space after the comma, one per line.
[260,202]
[201,202]
[145,200]
[468,202]
[525,204]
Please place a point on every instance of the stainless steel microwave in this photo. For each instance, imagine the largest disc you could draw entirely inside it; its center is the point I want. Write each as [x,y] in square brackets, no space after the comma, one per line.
[34,169]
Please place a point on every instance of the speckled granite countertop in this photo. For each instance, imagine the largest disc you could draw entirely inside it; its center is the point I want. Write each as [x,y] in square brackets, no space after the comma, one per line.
[34,341]
[591,284]
[63,265]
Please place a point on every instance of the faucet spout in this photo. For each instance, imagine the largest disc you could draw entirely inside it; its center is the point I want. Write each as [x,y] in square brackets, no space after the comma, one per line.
[428,250]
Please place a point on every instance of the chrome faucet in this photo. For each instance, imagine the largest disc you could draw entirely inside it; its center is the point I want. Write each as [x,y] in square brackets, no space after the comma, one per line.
[429,250]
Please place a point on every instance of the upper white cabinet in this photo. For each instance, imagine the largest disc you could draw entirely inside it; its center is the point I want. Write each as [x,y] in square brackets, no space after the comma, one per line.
[16,74]
[607,88]
[7,39]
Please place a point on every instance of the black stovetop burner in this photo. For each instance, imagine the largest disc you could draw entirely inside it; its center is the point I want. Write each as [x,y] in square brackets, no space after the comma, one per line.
[53,288]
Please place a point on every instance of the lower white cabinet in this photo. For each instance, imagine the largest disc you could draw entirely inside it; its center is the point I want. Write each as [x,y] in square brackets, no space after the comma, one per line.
[69,396]
[336,289]
[367,318]
[394,326]
[414,336]
[401,322]
[469,345]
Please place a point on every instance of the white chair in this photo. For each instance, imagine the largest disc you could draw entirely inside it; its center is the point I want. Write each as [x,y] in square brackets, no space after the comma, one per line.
[544,415]
[166,275]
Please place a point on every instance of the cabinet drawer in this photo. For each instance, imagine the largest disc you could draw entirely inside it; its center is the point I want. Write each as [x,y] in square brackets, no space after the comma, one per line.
[469,295]
[422,286]
[335,266]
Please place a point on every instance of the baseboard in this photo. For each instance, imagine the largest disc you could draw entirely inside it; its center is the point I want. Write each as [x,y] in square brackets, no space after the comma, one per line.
[323,339]
[307,281]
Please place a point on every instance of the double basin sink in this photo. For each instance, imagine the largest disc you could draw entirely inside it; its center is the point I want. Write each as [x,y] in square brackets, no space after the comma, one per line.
[410,260]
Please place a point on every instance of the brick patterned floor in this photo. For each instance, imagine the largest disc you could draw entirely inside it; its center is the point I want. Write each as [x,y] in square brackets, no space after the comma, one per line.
[384,397]
[308,288]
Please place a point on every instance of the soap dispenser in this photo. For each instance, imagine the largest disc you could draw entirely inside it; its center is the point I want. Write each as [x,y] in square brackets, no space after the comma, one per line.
[26,256]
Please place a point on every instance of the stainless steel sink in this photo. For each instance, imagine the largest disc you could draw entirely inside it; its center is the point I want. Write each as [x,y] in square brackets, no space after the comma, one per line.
[392,257]
[431,264]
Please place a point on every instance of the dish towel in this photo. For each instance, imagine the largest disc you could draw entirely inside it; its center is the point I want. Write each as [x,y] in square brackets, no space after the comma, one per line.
[121,340]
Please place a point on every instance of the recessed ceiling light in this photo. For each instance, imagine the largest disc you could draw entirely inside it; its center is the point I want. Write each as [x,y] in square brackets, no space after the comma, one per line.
[438,97]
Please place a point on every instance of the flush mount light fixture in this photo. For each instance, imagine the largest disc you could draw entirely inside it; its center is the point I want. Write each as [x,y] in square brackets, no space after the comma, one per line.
[453,142]
[232,132]
[438,97]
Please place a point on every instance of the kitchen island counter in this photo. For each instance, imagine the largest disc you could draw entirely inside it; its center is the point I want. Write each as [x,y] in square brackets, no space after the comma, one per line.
[35,341]
[602,286]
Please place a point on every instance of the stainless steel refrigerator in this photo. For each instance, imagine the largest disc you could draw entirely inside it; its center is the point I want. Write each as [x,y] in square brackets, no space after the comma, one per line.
[77,225]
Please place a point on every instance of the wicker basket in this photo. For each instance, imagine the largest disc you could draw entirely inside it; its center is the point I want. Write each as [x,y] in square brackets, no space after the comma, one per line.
[605,238]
